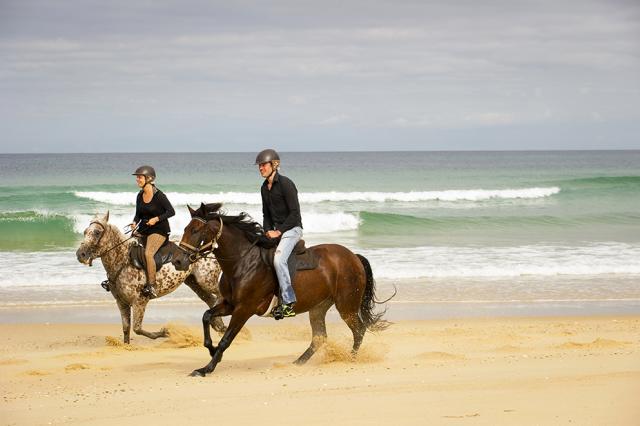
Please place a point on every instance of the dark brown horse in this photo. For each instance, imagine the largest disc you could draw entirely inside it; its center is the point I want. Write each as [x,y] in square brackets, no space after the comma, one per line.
[248,284]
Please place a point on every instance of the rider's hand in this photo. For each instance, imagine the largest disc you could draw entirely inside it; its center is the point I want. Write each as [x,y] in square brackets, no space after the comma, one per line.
[274,234]
[153,221]
[133,226]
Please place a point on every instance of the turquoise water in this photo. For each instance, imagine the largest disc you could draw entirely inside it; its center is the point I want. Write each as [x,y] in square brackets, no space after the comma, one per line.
[440,226]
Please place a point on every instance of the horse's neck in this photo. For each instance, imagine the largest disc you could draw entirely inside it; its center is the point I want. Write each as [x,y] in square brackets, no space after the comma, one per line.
[233,247]
[115,258]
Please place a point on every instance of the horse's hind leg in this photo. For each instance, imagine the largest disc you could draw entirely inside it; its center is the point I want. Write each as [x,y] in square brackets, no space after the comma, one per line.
[208,297]
[358,328]
[125,315]
[138,313]
[349,314]
[318,330]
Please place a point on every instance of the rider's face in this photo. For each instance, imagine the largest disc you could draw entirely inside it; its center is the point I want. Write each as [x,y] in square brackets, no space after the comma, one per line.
[140,180]
[265,169]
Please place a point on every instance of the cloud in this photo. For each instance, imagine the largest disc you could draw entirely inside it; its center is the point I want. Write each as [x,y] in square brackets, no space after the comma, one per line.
[287,64]
[297,100]
[490,118]
[336,119]
[404,122]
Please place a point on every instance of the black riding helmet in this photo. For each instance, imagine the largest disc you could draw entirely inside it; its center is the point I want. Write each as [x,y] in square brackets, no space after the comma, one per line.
[147,171]
[267,156]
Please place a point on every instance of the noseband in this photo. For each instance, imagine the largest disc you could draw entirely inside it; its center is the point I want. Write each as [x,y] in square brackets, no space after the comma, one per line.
[203,249]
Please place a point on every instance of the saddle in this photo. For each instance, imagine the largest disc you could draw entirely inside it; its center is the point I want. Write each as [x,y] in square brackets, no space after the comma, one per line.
[300,259]
[163,255]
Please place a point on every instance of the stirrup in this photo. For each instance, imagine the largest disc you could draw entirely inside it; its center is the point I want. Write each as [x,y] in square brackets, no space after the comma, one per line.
[149,291]
[276,313]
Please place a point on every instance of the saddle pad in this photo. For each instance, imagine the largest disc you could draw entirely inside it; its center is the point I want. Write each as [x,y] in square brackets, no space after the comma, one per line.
[162,256]
[301,258]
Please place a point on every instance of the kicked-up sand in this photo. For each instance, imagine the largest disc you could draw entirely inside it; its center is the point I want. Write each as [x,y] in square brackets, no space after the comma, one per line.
[515,371]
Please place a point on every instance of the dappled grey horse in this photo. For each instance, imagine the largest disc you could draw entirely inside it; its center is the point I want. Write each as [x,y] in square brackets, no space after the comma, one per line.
[105,241]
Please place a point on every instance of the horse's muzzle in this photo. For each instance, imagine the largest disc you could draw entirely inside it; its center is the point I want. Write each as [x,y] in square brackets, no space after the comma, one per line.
[83,256]
[181,261]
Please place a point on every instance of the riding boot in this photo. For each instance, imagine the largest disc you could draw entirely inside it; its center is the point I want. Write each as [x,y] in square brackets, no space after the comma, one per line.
[282,311]
[149,291]
[287,310]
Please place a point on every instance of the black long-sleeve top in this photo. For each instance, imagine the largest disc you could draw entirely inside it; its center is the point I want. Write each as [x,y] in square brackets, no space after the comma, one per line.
[280,205]
[158,206]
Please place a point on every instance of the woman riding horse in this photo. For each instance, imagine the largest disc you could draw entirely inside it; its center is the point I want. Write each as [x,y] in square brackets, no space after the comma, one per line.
[153,209]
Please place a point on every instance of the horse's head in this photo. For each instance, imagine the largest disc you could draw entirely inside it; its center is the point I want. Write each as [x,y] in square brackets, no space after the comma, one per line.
[93,239]
[199,237]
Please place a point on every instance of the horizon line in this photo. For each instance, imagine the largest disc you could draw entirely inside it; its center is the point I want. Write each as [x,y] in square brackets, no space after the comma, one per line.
[325,151]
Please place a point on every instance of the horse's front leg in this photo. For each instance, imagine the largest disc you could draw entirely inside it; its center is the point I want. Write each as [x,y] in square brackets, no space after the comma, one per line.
[206,320]
[138,314]
[125,315]
[222,308]
[207,292]
[238,320]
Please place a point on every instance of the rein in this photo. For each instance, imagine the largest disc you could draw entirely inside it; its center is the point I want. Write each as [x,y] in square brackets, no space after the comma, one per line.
[100,239]
[203,251]
[106,284]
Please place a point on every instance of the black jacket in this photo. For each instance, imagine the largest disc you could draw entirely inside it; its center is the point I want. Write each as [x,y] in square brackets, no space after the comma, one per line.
[158,206]
[280,205]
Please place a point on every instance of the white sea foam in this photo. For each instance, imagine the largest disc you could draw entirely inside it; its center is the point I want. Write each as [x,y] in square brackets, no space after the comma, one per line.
[177,198]
[246,198]
[416,196]
[60,270]
[313,222]
[504,262]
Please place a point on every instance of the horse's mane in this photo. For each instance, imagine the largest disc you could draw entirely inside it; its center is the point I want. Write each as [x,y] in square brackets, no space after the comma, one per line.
[251,229]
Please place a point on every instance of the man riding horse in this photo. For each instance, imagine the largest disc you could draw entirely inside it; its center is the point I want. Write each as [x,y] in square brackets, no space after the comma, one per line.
[281,219]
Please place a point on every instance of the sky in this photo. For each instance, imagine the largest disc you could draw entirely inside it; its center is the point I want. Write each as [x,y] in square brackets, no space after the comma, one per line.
[298,75]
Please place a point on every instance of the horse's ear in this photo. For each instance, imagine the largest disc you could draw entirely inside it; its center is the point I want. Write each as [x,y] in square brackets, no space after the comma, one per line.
[192,211]
[106,217]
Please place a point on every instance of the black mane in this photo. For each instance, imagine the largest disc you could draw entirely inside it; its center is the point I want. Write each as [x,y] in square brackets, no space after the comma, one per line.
[243,222]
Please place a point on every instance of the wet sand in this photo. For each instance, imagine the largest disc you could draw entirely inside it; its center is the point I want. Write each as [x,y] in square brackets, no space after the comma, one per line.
[551,370]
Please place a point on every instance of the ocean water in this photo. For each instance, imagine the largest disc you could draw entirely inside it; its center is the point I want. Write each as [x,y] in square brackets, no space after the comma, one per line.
[440,227]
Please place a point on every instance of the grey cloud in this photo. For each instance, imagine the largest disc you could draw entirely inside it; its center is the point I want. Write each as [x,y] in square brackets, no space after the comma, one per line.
[281,68]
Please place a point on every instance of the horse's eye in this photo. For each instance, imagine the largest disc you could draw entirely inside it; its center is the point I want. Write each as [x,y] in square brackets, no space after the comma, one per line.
[96,232]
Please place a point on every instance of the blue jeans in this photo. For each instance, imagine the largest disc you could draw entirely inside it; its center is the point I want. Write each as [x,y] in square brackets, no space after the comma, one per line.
[287,242]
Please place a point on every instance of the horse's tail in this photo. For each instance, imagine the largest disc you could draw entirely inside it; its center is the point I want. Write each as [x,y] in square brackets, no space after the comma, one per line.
[373,321]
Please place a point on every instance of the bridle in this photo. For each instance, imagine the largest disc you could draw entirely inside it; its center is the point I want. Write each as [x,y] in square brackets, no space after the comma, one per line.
[203,248]
[104,231]
[106,284]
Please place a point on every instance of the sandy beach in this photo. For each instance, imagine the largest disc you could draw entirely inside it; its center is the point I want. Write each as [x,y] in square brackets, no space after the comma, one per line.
[552,370]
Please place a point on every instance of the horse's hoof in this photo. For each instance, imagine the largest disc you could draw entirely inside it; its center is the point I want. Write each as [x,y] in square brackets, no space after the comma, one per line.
[197,373]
